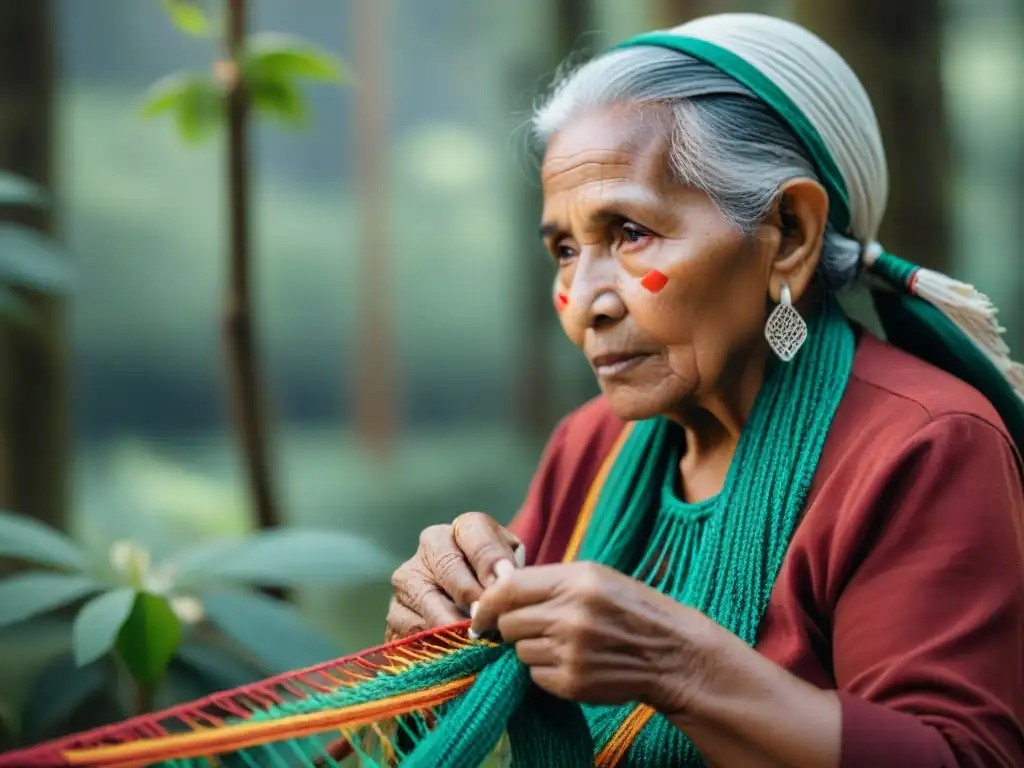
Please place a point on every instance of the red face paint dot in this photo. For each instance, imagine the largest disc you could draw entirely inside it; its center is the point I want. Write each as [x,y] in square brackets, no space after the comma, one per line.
[561,301]
[654,281]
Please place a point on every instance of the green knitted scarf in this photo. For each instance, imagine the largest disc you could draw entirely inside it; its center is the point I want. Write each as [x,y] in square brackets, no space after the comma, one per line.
[720,556]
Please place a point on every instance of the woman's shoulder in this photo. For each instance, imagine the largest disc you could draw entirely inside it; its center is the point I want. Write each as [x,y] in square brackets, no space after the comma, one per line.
[903,422]
[898,394]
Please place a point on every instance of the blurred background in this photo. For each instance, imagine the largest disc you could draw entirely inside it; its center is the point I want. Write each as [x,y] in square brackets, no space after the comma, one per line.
[408,365]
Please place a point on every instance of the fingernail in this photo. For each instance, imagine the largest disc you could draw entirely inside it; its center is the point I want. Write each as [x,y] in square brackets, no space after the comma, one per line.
[503,569]
[520,556]
[472,609]
[473,635]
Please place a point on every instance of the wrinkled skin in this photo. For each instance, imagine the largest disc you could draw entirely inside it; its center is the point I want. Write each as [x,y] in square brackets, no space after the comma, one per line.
[430,587]
[693,352]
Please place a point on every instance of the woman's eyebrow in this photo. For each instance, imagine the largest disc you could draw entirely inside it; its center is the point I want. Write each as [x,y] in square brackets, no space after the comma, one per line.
[610,209]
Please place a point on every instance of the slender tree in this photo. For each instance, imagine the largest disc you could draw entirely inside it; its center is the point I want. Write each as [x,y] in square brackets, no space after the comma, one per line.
[257,74]
[248,397]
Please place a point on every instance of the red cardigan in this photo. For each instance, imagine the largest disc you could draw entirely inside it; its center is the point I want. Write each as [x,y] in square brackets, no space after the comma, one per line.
[903,587]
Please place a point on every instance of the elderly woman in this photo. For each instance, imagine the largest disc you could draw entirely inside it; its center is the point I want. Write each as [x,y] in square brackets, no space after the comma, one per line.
[775,539]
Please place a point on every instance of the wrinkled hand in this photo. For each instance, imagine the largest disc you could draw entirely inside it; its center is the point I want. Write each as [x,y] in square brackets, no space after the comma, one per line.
[448,573]
[592,634]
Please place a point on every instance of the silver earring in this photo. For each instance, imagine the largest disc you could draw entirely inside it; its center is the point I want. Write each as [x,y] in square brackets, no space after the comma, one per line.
[785,330]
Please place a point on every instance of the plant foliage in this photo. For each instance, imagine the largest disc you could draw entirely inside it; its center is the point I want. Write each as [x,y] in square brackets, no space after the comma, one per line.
[29,261]
[272,69]
[191,621]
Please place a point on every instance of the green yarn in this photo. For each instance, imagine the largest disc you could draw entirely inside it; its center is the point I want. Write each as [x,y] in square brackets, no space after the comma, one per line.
[721,556]
[301,752]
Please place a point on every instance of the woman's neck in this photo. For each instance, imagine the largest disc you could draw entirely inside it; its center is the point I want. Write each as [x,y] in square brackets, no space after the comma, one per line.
[713,423]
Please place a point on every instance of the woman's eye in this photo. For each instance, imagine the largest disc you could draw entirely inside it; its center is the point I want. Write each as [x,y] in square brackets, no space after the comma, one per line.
[634,235]
[564,253]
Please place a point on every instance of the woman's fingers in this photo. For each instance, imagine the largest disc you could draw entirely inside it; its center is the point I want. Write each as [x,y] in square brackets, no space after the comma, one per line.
[447,566]
[488,547]
[449,572]
[414,587]
[403,622]
[527,588]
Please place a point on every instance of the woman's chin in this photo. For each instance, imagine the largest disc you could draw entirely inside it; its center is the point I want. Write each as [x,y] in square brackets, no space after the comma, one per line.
[636,403]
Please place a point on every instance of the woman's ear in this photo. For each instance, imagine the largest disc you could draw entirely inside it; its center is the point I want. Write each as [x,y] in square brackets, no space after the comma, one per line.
[801,214]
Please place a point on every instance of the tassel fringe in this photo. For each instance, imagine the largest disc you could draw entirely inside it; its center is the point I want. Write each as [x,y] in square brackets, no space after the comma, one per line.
[975,315]
[966,307]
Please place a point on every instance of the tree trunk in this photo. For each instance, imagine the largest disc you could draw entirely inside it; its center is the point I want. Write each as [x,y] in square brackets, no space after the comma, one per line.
[34,393]
[376,405]
[248,398]
[896,49]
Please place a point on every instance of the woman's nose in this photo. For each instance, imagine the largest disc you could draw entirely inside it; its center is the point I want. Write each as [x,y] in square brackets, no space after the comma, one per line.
[605,308]
[594,287]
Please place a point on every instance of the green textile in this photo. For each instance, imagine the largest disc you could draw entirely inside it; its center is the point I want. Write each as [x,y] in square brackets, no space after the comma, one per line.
[721,556]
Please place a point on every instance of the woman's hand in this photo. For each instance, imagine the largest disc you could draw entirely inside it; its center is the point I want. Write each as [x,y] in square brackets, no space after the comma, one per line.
[448,573]
[591,634]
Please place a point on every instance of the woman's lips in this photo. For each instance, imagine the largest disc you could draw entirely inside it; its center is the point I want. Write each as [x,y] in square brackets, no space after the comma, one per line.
[609,366]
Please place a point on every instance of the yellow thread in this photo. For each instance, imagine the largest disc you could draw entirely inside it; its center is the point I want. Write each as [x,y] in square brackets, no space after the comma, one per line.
[250,734]
[624,737]
[385,742]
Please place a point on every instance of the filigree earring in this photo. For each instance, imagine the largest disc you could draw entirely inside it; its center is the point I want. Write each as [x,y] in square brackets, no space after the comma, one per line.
[785,330]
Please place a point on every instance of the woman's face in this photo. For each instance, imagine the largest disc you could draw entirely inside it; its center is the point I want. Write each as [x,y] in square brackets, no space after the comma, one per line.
[611,215]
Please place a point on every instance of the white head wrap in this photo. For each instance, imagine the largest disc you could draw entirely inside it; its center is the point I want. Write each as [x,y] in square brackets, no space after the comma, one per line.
[822,85]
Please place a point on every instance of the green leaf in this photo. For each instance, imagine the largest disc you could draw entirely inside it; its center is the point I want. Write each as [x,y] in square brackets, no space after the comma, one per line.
[194,561]
[99,622]
[28,259]
[148,639]
[280,99]
[25,595]
[16,190]
[274,633]
[27,539]
[200,115]
[165,94]
[283,57]
[195,101]
[15,308]
[59,690]
[187,16]
[292,557]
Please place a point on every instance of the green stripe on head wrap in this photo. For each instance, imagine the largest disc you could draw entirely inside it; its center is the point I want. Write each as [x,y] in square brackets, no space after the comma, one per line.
[792,116]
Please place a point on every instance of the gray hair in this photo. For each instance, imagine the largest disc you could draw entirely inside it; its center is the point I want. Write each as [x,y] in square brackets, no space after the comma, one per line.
[724,140]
